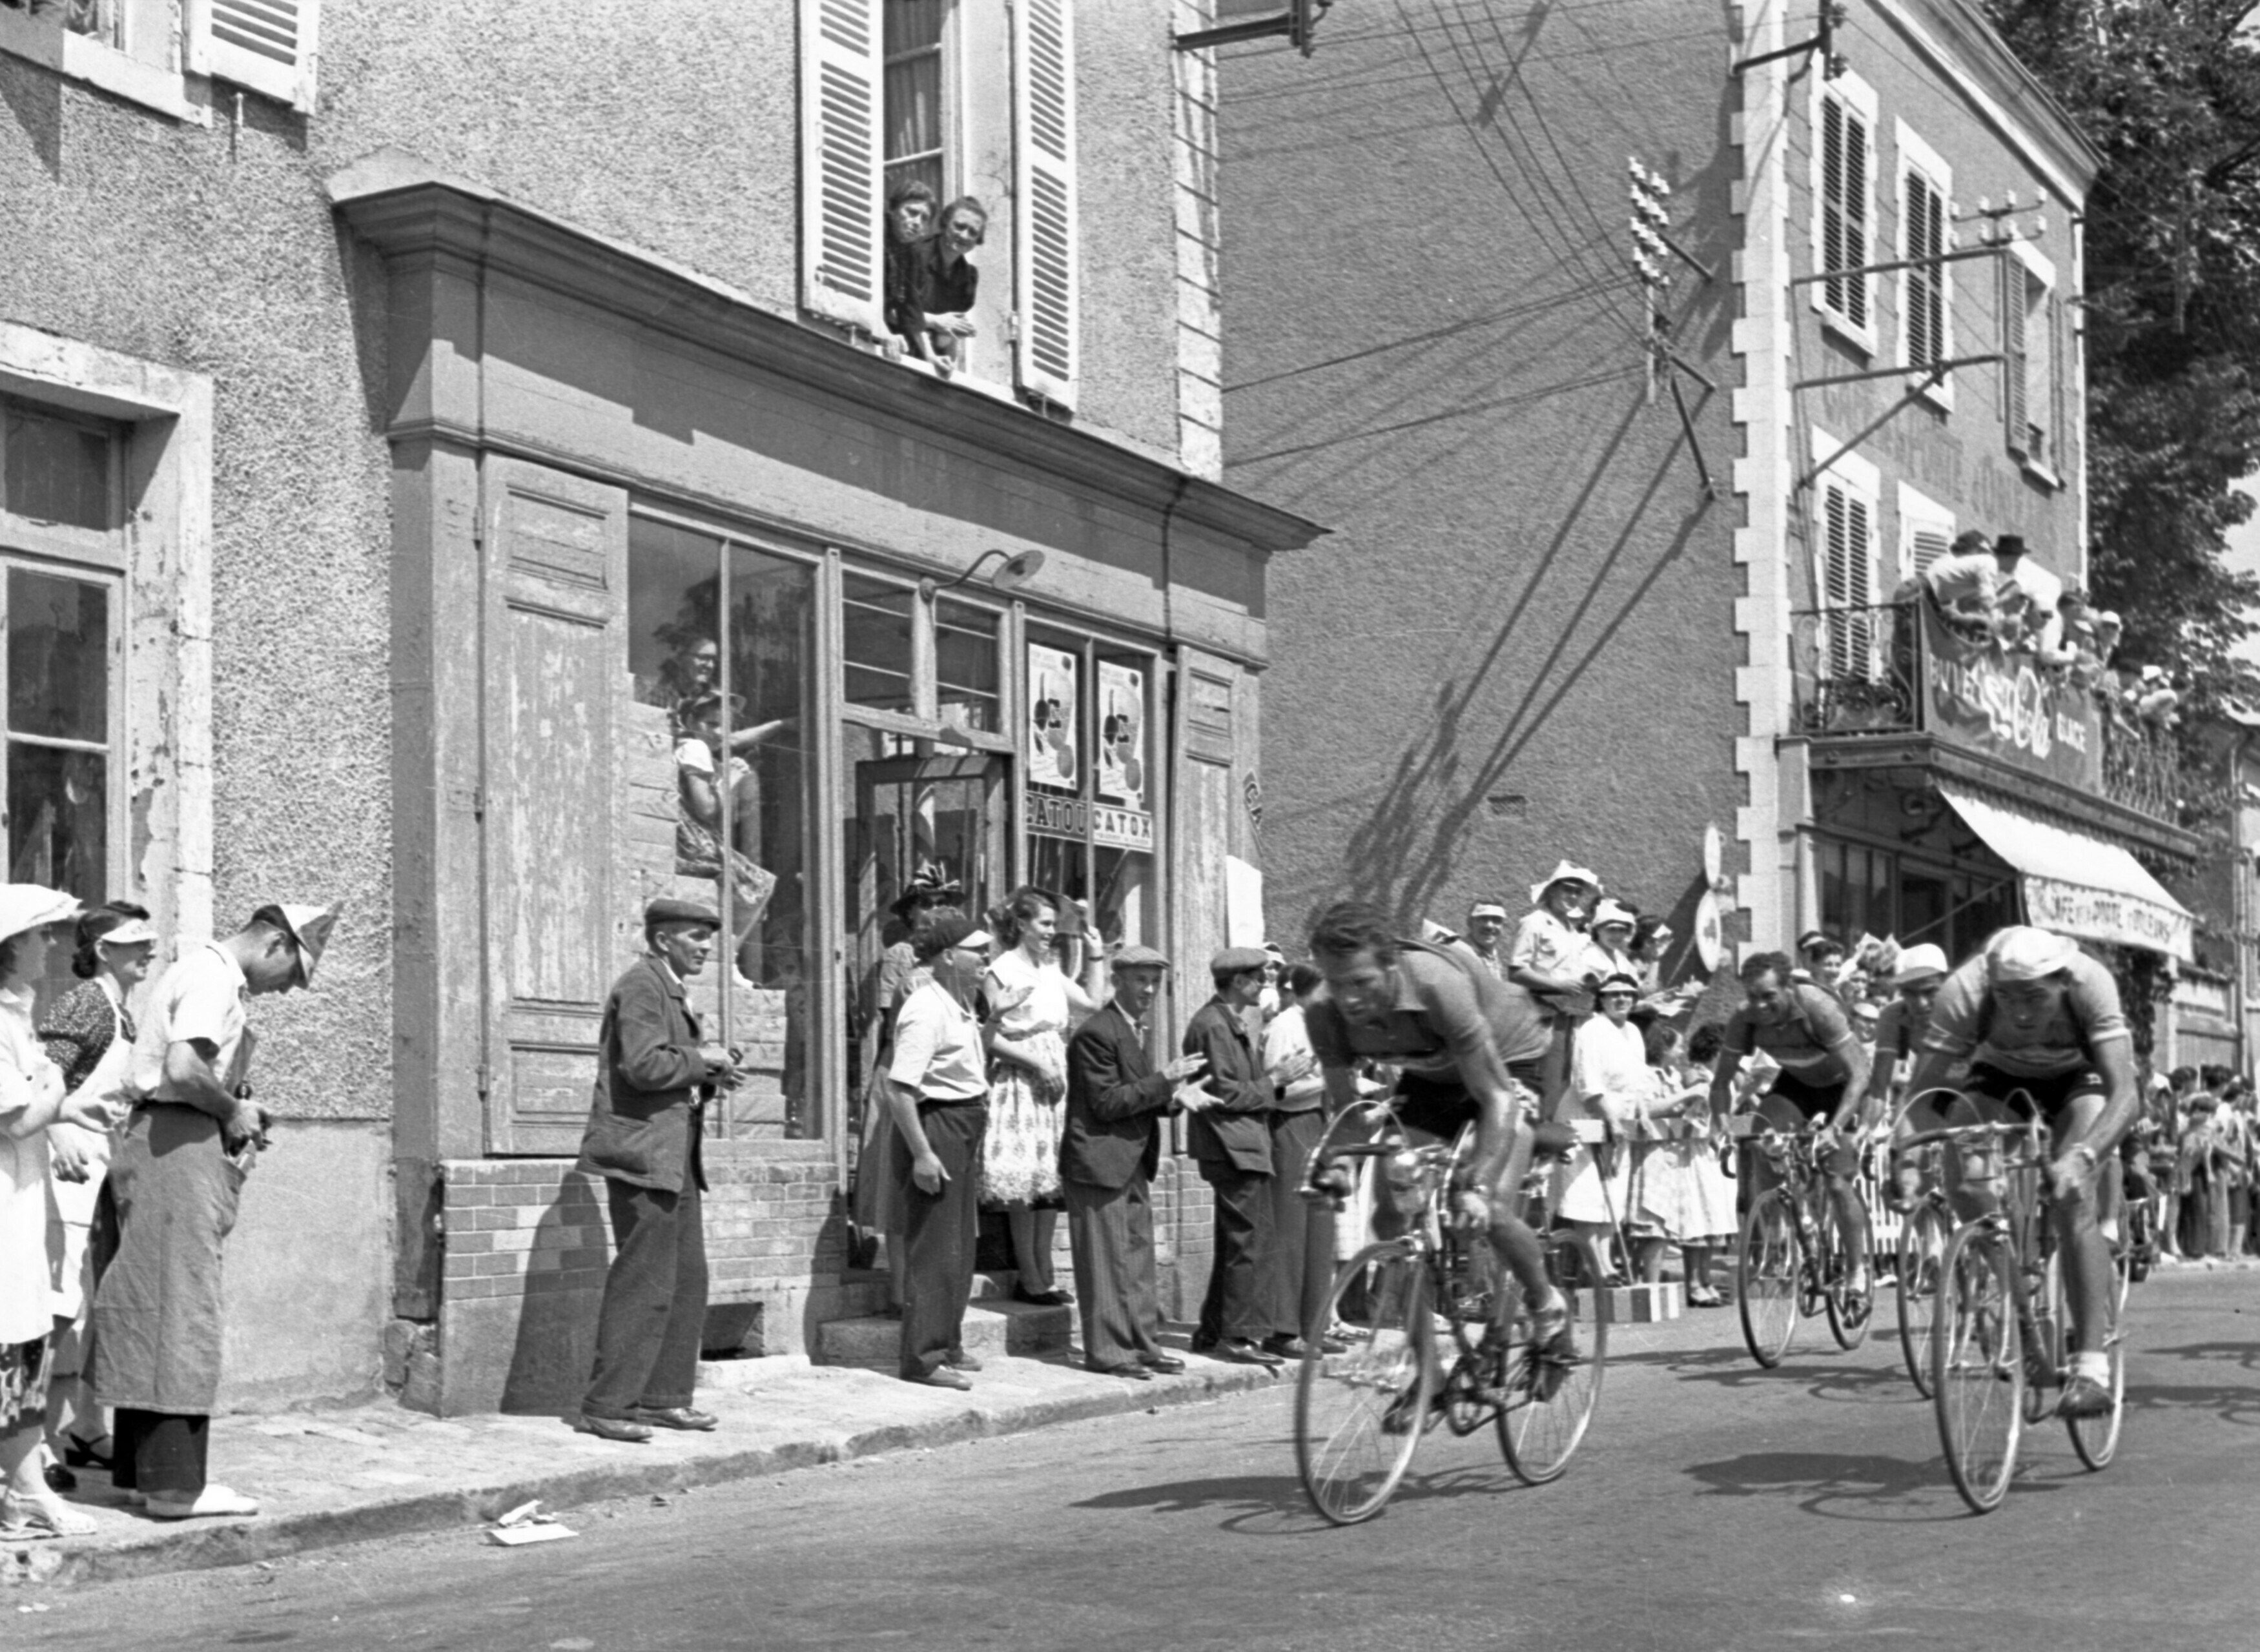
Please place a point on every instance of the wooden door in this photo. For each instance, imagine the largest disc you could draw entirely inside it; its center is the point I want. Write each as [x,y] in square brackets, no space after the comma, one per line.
[553,800]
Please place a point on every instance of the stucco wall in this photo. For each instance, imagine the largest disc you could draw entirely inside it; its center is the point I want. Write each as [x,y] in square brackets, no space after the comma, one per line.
[1517,642]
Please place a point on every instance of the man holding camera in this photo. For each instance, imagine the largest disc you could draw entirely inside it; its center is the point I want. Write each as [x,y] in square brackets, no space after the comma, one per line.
[654,1074]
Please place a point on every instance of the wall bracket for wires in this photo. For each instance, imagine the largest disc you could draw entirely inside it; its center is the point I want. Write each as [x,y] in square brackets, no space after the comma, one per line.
[1934,375]
[1832,61]
[1299,22]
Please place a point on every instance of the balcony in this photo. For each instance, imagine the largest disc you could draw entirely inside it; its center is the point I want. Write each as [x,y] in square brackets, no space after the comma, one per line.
[1891,675]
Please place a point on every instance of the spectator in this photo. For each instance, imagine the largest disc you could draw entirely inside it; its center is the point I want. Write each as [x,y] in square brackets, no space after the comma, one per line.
[1613,928]
[176,1181]
[1030,999]
[655,1072]
[1231,1143]
[32,1099]
[1610,1081]
[909,228]
[2175,1139]
[1964,586]
[691,671]
[1302,1229]
[937,1085]
[1553,961]
[1275,970]
[703,775]
[1651,939]
[1821,962]
[944,282]
[1486,928]
[89,1034]
[2234,1127]
[1116,1100]
[877,1210]
[1683,1196]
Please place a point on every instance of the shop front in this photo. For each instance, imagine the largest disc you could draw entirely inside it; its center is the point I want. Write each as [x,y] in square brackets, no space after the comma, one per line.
[691,600]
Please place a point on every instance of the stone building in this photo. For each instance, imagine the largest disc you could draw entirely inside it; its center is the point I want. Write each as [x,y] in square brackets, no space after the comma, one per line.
[409,407]
[1631,527]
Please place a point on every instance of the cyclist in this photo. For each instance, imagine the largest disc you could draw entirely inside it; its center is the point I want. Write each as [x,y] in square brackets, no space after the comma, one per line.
[1824,1074]
[2031,1012]
[1468,1047]
[1921,971]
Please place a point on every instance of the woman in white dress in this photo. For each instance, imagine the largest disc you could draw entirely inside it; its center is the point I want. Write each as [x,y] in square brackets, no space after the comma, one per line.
[1030,1000]
[1609,1079]
[1681,1196]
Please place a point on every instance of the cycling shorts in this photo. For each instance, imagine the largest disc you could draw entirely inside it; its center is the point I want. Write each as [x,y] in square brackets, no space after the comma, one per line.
[1442,1106]
[1811,1101]
[2051,1094]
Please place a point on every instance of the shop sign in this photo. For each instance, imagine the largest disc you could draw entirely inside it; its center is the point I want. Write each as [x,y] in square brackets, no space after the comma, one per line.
[1075,819]
[1980,698]
[2102,914]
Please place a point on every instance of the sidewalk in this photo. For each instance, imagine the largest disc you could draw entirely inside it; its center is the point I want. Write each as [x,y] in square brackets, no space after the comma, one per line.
[342,1476]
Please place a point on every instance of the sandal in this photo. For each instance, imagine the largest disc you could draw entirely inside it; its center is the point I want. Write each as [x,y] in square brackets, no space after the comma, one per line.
[88,1454]
[41,1515]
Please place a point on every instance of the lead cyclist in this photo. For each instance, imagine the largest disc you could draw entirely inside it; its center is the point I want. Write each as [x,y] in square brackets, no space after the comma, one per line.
[2034,1014]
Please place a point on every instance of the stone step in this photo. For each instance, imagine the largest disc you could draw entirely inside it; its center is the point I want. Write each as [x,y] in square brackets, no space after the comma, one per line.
[994,1329]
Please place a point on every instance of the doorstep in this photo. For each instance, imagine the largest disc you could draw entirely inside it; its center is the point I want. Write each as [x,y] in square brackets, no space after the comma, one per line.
[352,1473]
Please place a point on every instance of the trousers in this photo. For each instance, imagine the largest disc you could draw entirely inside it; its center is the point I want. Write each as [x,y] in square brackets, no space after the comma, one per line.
[1302,1229]
[654,1309]
[1238,1303]
[1112,1231]
[939,1234]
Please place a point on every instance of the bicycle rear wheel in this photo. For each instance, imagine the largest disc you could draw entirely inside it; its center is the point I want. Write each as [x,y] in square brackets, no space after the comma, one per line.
[1978,1370]
[1922,1243]
[2096,1438]
[1765,1278]
[1549,1401]
[1359,1415]
[1849,1312]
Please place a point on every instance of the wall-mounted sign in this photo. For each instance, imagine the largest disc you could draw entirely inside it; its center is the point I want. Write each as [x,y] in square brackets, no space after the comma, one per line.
[1051,816]
[1122,733]
[1053,702]
[1979,696]
[1710,931]
[1112,828]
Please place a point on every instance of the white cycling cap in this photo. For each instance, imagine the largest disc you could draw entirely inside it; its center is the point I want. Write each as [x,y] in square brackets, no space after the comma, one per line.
[1919,963]
[2021,952]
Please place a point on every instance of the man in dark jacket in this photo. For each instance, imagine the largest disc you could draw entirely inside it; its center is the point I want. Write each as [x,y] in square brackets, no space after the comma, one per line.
[1231,1141]
[654,1074]
[1116,1100]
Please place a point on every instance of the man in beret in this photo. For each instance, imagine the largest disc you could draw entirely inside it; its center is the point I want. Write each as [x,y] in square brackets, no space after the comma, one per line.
[1109,1148]
[1231,1141]
[654,1074]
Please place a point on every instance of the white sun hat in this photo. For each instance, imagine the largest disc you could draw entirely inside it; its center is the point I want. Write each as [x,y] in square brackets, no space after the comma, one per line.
[32,906]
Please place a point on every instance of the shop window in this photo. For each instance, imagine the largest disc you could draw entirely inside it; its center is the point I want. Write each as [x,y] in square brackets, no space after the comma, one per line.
[877,623]
[722,651]
[59,504]
[966,656]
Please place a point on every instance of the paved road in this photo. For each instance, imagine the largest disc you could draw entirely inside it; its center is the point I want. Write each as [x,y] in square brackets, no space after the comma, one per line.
[1717,1507]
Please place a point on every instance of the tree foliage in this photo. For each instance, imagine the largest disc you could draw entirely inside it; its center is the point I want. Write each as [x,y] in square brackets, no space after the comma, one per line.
[2169,90]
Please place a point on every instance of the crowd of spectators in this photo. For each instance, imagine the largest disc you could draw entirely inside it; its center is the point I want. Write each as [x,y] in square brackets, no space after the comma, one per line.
[2194,1154]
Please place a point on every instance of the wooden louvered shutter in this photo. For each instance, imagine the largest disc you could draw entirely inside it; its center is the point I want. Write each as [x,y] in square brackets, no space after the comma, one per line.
[2058,427]
[841,67]
[1044,274]
[266,47]
[1844,155]
[1926,284]
[1848,589]
[1927,543]
[2014,365]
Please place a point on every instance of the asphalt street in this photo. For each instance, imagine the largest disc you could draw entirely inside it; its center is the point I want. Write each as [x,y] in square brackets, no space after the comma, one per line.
[1715,1507]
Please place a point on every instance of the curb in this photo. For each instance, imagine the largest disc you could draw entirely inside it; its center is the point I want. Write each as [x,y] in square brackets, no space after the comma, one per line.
[190,1547]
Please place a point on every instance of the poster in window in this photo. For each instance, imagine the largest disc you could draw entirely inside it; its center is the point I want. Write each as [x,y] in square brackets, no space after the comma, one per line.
[1122,735]
[1052,701]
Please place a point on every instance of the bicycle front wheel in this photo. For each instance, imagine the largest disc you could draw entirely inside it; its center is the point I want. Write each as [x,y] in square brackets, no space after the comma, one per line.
[1848,1311]
[1360,1414]
[1922,1243]
[1978,1368]
[1550,1392]
[1765,1278]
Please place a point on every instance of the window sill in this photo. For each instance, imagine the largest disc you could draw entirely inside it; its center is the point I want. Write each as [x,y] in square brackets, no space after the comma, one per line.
[2035,471]
[987,387]
[1940,396]
[49,45]
[1863,340]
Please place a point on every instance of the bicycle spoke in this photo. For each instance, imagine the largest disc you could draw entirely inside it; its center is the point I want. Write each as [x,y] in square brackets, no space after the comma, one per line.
[1359,1414]
[1977,1371]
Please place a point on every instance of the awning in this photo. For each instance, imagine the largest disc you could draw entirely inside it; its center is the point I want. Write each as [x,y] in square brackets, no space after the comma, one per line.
[2079,885]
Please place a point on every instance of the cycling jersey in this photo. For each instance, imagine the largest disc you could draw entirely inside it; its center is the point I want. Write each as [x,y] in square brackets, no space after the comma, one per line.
[1966,1022]
[1897,1032]
[1812,1043]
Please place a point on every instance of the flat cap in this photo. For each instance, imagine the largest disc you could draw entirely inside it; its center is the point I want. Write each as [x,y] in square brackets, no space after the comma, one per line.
[667,909]
[1236,960]
[942,928]
[1139,958]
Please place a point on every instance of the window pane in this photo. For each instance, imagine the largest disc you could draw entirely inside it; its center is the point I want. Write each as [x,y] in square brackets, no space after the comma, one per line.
[913,25]
[914,106]
[878,643]
[58,657]
[967,666]
[58,814]
[52,470]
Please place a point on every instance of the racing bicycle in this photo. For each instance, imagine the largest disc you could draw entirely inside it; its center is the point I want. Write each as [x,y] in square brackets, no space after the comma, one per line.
[1794,1261]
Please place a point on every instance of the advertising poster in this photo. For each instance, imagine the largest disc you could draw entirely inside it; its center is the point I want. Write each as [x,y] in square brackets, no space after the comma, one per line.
[1122,735]
[1988,701]
[1052,700]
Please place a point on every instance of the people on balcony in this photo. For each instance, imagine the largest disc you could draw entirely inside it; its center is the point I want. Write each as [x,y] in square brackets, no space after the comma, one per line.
[1964,586]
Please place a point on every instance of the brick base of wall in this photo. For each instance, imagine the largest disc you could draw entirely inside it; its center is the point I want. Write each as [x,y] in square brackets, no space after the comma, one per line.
[526,1241]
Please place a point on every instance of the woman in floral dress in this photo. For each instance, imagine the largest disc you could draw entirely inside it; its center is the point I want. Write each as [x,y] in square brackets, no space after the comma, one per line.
[1030,999]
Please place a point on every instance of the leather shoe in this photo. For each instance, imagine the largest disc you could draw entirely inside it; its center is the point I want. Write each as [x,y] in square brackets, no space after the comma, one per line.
[1286,1346]
[1042,1298]
[61,1479]
[1167,1364]
[1238,1350]
[1131,1372]
[941,1376]
[212,1500]
[961,1360]
[677,1417]
[634,1433]
[87,1453]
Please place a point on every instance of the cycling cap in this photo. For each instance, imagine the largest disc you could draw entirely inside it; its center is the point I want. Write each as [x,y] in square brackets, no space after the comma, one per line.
[1919,963]
[2023,954]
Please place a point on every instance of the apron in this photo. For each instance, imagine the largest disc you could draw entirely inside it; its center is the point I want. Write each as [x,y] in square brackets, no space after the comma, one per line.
[70,1204]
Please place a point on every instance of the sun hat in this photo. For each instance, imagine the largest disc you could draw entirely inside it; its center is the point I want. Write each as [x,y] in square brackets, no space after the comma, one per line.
[1614,912]
[1565,872]
[928,882]
[2021,952]
[1619,982]
[134,932]
[1917,963]
[309,929]
[32,906]
[1486,909]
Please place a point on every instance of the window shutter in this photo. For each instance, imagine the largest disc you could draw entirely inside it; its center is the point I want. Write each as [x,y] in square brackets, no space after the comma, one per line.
[1844,154]
[2013,352]
[268,47]
[1846,576]
[1044,197]
[1856,215]
[2057,380]
[1926,289]
[1928,541]
[841,66]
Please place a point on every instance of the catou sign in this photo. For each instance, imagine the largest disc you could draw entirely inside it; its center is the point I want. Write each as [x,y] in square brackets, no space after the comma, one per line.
[1983,699]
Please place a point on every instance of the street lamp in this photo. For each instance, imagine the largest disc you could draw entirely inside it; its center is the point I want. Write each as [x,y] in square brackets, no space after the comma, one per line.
[1020,567]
